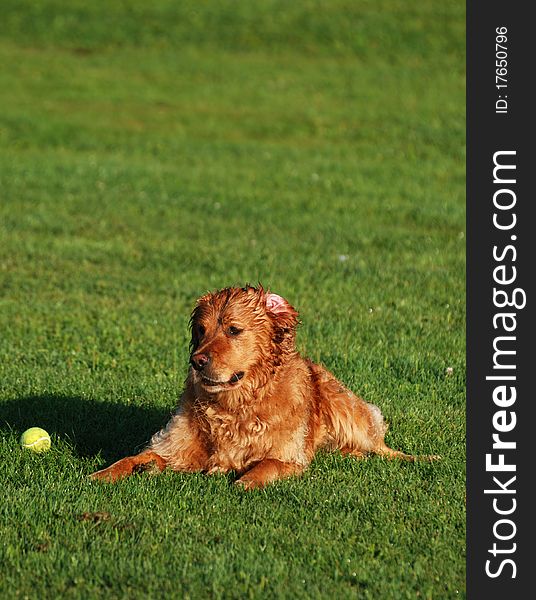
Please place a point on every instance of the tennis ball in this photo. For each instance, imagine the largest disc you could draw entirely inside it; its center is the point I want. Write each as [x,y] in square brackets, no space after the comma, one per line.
[35,439]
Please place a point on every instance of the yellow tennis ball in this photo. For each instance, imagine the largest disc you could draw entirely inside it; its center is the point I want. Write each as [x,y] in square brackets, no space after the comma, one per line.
[35,439]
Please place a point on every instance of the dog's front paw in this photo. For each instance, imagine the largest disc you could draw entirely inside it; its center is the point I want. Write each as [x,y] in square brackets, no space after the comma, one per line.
[108,475]
[217,470]
[249,483]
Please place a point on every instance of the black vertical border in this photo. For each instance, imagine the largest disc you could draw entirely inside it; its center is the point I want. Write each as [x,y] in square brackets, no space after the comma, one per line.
[487,133]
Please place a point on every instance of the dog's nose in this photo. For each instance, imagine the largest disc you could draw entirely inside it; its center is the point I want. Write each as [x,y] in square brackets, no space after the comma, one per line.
[199,361]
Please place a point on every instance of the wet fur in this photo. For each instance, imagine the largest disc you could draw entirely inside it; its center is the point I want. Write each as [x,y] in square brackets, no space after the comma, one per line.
[257,407]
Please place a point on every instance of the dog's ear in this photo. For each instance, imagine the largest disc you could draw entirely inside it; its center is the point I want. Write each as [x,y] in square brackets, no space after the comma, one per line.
[194,319]
[285,315]
[194,339]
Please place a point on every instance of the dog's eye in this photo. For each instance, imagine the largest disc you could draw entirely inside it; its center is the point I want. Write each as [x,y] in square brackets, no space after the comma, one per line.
[200,330]
[234,331]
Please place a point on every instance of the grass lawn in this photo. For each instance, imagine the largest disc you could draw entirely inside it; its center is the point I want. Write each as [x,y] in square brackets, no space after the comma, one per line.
[152,151]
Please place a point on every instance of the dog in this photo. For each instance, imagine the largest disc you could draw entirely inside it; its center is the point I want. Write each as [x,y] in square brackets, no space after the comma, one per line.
[251,403]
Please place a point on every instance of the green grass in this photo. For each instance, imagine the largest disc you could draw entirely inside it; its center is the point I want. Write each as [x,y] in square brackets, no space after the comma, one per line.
[152,151]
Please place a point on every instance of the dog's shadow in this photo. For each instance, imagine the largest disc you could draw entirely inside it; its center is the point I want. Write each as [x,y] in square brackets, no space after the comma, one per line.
[90,427]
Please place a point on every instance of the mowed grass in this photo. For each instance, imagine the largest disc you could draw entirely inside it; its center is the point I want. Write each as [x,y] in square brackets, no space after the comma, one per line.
[149,153]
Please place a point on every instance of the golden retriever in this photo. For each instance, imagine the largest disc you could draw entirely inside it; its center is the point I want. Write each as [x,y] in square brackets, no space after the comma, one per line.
[251,403]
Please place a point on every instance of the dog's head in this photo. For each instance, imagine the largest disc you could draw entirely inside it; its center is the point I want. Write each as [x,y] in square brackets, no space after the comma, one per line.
[238,333]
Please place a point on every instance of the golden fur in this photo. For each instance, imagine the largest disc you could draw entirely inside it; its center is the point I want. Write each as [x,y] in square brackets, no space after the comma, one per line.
[251,403]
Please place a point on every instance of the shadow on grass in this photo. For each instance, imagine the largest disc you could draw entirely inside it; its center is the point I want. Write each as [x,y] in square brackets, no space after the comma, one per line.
[90,427]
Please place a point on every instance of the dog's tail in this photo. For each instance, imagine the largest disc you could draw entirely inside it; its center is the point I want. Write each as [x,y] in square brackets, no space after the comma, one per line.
[384,450]
[390,453]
